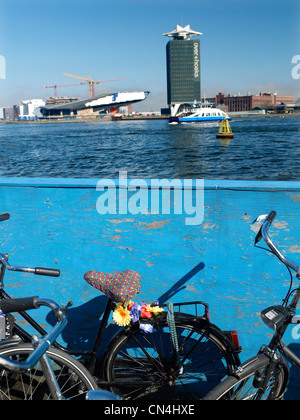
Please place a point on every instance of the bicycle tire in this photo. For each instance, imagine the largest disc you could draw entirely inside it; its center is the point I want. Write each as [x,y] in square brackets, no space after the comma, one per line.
[73,378]
[233,388]
[145,365]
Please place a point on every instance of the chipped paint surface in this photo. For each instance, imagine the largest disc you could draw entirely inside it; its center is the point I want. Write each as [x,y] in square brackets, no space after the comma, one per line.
[55,223]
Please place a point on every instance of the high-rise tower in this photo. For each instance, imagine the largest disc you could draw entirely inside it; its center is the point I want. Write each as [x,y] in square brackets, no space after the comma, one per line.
[183,67]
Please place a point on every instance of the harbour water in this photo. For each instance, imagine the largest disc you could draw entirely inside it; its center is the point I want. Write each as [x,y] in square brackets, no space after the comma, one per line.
[263,148]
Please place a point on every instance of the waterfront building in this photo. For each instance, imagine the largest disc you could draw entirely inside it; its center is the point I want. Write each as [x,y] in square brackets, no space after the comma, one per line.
[238,103]
[92,107]
[183,67]
[9,114]
[27,109]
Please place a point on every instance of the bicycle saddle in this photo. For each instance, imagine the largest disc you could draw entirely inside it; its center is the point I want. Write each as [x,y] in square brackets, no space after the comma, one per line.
[120,287]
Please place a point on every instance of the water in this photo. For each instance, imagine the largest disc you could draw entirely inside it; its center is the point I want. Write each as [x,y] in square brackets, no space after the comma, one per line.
[262,149]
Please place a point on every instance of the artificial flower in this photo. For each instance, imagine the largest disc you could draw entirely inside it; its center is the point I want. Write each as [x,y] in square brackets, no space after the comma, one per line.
[146,313]
[147,328]
[155,310]
[128,313]
[135,312]
[121,316]
[130,305]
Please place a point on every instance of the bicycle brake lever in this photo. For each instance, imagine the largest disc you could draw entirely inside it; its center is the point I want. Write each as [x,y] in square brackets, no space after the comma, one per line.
[65,308]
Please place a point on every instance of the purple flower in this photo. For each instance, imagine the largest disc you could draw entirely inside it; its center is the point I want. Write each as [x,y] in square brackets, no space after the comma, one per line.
[135,312]
[147,328]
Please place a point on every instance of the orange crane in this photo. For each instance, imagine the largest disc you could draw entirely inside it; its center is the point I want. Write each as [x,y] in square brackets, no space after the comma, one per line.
[91,82]
[56,86]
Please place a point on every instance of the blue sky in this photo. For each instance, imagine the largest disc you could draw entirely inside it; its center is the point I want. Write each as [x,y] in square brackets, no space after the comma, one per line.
[247,45]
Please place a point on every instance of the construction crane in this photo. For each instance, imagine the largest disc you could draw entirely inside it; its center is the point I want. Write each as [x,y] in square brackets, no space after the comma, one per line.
[57,86]
[91,82]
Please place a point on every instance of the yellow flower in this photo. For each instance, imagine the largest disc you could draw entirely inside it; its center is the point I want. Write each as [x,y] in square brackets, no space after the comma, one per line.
[121,316]
[155,309]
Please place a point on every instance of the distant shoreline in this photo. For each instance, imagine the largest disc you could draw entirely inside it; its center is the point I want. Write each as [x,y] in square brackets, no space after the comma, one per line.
[139,118]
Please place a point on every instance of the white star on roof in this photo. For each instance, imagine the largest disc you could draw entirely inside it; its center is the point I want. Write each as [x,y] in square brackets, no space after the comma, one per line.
[182,33]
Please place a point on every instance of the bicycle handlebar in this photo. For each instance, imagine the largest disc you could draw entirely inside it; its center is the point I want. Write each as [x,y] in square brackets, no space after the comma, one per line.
[270,219]
[3,217]
[51,272]
[264,233]
[18,305]
[41,345]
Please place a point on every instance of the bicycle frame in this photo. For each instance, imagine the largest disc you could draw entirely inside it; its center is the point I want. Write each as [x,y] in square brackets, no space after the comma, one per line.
[91,354]
[288,316]
[277,318]
[40,345]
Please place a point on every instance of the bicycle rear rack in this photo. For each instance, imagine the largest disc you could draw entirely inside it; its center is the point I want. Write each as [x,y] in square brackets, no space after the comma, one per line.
[195,309]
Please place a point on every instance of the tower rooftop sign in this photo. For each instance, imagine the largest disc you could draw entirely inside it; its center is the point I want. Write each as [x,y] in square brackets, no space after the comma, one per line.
[182,33]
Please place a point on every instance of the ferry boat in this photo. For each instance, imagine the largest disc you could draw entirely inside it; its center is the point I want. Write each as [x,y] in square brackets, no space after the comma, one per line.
[199,114]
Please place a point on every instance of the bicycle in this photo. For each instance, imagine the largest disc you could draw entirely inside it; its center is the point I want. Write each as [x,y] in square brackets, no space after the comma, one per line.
[184,356]
[36,371]
[265,376]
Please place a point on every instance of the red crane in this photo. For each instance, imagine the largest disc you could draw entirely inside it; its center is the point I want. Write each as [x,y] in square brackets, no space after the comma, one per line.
[56,86]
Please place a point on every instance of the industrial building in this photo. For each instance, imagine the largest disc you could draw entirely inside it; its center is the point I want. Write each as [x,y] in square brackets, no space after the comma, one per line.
[238,103]
[183,67]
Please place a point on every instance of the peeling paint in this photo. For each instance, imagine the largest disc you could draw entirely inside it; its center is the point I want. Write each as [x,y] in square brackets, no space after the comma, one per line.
[117,221]
[247,217]
[296,198]
[156,225]
[192,288]
[149,264]
[15,285]
[209,225]
[115,238]
[294,249]
[255,228]
[280,225]
[113,245]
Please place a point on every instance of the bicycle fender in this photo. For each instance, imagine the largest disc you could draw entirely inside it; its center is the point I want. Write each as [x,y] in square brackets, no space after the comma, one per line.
[258,362]
[10,342]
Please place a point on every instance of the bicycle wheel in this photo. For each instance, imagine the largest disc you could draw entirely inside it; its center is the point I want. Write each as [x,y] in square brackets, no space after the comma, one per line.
[74,380]
[146,365]
[247,388]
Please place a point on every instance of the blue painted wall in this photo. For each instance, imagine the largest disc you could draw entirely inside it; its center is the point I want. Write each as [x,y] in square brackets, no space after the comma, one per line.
[54,223]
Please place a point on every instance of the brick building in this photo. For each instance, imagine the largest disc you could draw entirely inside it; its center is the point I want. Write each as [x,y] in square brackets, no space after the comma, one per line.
[247,103]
